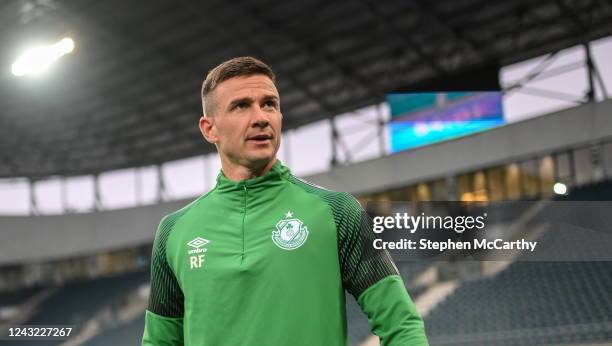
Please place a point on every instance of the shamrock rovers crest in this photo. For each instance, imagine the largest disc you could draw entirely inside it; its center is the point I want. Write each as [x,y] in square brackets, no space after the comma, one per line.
[290,233]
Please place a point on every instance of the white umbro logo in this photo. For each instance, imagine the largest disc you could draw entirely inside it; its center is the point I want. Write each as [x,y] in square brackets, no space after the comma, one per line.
[198,242]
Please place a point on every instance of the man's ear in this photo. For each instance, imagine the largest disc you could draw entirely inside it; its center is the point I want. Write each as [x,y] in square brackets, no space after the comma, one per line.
[208,129]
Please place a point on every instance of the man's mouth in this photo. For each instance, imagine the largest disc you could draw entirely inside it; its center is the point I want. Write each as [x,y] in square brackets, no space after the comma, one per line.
[260,138]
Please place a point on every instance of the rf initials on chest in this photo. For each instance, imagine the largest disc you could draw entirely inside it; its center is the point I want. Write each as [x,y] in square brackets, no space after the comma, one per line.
[196,252]
[196,261]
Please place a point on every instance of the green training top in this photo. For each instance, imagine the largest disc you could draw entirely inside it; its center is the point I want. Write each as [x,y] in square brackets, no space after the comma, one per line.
[266,261]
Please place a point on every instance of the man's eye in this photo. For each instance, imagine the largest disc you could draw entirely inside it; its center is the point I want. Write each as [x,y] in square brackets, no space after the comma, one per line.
[270,104]
[242,105]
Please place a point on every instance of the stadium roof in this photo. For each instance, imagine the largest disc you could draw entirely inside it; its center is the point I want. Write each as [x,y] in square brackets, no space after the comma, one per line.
[129,94]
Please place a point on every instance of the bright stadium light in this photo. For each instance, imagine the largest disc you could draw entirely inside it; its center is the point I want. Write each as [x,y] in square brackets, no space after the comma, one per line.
[37,60]
[560,188]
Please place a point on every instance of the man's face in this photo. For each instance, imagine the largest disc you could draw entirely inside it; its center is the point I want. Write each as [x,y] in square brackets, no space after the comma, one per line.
[246,123]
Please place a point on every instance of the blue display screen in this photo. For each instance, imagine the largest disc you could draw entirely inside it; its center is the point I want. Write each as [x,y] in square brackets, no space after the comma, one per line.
[419,119]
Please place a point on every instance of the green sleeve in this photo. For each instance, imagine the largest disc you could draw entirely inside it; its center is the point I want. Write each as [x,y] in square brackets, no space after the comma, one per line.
[372,278]
[162,331]
[392,314]
[164,316]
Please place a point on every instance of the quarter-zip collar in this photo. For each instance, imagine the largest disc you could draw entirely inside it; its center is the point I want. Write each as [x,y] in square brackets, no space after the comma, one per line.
[273,177]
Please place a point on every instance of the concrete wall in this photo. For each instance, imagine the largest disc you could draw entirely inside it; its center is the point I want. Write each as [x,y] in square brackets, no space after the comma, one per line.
[41,238]
[33,239]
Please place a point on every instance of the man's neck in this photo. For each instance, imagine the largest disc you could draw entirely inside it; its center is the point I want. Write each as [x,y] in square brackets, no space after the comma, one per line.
[236,172]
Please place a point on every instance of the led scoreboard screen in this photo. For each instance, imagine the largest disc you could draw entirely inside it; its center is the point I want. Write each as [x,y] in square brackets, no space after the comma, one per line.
[422,118]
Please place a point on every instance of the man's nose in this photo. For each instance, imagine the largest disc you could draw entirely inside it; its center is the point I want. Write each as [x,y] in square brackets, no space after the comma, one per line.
[260,118]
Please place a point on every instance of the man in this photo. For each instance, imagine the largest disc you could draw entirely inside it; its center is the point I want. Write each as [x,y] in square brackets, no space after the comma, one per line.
[264,258]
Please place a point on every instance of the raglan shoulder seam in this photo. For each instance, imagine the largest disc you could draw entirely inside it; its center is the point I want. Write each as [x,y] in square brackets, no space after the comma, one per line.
[317,190]
[183,210]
